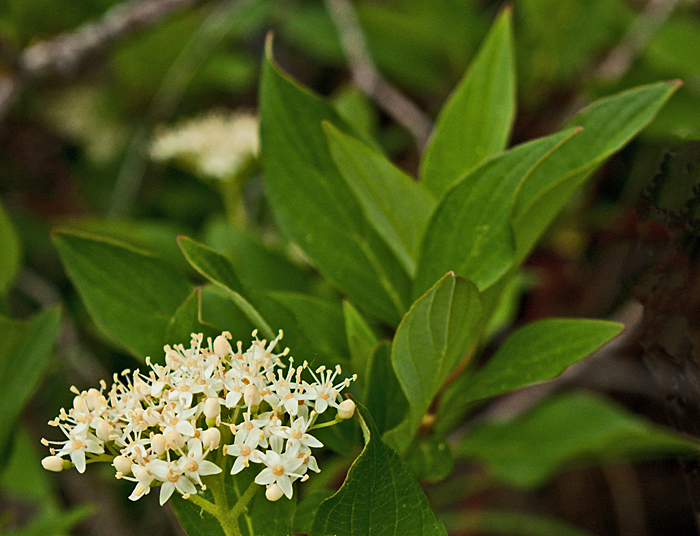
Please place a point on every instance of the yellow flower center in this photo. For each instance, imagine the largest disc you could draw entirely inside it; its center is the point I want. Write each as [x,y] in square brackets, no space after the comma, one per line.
[278,469]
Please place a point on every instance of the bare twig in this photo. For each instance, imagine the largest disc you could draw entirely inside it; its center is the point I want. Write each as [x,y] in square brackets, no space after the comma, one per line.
[65,55]
[640,32]
[367,77]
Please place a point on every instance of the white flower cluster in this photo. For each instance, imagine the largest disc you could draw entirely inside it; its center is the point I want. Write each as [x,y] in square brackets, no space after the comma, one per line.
[218,144]
[161,428]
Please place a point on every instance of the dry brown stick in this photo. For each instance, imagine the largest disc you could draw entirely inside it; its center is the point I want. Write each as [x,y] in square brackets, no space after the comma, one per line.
[642,30]
[65,55]
[367,77]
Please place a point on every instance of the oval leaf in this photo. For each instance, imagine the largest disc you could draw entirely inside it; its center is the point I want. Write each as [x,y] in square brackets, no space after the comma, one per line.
[313,203]
[470,232]
[130,294]
[397,206]
[218,269]
[476,121]
[534,353]
[608,124]
[434,337]
[379,496]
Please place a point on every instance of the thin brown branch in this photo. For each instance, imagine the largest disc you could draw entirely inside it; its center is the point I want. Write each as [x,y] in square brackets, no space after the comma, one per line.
[67,54]
[641,31]
[366,76]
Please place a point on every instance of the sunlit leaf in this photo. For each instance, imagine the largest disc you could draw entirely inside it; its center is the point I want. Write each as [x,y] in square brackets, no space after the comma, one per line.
[476,121]
[434,337]
[379,496]
[315,206]
[396,205]
[130,294]
[533,353]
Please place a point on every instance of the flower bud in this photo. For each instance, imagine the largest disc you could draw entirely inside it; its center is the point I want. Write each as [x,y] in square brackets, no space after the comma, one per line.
[93,399]
[212,408]
[173,440]
[273,493]
[251,396]
[151,416]
[346,409]
[53,463]
[79,404]
[158,445]
[222,347]
[103,430]
[211,438]
[122,464]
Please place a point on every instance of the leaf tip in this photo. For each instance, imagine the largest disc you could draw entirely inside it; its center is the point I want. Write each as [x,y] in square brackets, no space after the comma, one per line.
[269,38]
[677,83]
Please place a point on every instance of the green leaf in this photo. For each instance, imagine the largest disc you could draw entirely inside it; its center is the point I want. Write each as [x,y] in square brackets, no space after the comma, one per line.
[315,206]
[218,310]
[187,320]
[306,510]
[384,398]
[527,450]
[435,336]
[318,321]
[470,231]
[511,523]
[396,205]
[217,269]
[254,262]
[130,294]
[608,124]
[476,122]
[430,458]
[361,342]
[379,496]
[25,348]
[533,353]
[9,252]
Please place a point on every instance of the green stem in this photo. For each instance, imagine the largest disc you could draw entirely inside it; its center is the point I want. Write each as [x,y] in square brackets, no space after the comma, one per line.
[227,517]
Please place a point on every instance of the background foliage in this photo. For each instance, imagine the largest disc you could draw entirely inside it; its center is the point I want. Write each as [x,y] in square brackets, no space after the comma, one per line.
[89,221]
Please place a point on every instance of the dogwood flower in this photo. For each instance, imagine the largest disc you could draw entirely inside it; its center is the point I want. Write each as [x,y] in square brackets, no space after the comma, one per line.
[165,427]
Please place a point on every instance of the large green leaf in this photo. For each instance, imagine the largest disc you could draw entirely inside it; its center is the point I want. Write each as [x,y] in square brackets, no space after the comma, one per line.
[476,122]
[384,398]
[316,207]
[527,450]
[608,124]
[393,202]
[187,320]
[9,252]
[130,294]
[217,269]
[361,342]
[24,350]
[434,337]
[534,353]
[470,231]
[318,321]
[379,496]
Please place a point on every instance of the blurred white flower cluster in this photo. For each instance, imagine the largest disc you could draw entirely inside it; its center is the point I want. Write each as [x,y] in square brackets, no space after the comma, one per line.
[217,145]
[166,427]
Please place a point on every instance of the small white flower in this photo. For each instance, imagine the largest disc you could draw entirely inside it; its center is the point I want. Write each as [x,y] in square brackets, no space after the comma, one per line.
[279,470]
[172,478]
